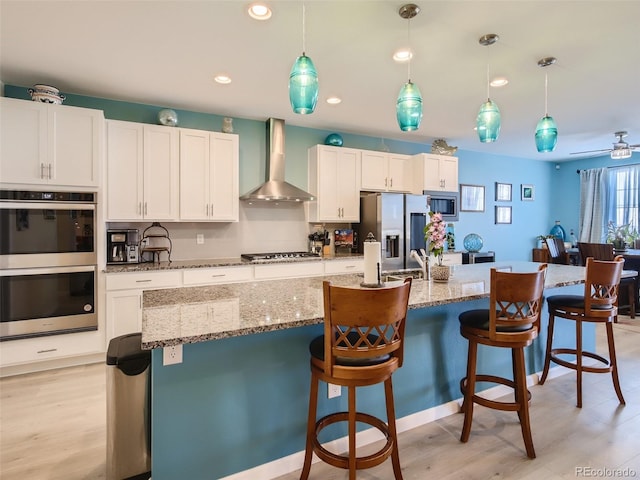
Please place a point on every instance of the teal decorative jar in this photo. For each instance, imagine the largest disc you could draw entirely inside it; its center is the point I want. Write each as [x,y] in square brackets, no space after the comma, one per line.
[558,231]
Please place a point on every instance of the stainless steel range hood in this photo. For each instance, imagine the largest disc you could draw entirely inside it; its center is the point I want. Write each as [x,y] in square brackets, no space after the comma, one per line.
[275,188]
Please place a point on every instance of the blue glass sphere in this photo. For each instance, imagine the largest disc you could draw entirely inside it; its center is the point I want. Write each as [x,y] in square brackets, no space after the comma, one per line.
[473,242]
[333,139]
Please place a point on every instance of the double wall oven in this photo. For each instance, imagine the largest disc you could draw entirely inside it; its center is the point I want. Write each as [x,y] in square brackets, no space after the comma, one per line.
[48,263]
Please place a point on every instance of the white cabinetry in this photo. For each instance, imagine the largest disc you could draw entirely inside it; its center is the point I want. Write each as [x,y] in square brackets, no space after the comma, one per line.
[124,298]
[45,144]
[208,276]
[386,172]
[142,171]
[209,179]
[352,265]
[288,270]
[435,172]
[334,179]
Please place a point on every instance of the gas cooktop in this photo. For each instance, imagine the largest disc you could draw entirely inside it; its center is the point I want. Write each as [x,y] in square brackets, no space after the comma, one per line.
[279,256]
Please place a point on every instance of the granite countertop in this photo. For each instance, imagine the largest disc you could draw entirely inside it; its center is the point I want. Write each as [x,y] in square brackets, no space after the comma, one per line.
[198,314]
[213,262]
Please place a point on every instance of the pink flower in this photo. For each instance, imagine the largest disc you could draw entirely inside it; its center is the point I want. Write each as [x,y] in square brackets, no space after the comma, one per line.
[435,233]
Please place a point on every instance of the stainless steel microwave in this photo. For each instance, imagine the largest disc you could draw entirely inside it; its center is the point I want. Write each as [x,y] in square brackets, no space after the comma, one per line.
[447,203]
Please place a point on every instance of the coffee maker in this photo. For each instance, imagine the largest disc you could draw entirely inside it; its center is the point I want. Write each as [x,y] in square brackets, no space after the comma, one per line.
[122,246]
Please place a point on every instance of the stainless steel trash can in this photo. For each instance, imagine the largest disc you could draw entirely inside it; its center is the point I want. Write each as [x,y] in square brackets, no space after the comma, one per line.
[128,408]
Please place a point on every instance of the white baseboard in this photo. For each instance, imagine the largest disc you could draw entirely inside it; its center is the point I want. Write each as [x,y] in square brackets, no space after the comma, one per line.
[293,462]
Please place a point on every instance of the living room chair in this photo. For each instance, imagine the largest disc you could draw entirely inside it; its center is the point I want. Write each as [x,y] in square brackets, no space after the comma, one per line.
[511,321]
[362,345]
[598,304]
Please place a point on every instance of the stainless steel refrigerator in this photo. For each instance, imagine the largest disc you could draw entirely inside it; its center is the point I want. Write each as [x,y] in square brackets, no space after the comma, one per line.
[397,221]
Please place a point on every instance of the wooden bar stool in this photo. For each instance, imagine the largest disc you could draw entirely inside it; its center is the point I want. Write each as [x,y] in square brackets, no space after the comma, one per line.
[362,345]
[511,321]
[598,304]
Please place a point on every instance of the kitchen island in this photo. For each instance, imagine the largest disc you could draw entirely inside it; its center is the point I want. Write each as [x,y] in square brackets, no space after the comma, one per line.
[238,401]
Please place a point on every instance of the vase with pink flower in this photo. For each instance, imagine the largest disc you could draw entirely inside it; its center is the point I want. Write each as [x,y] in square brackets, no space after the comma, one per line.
[435,233]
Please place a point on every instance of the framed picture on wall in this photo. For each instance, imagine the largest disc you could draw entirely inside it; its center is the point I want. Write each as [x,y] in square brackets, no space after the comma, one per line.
[503,192]
[471,198]
[527,192]
[503,214]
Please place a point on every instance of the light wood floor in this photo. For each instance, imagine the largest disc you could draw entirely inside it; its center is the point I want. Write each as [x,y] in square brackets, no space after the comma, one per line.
[52,426]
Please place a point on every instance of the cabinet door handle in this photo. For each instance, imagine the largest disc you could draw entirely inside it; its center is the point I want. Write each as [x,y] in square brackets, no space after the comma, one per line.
[145,208]
[391,182]
[207,210]
[42,170]
[50,172]
[48,350]
[385,181]
[212,209]
[139,208]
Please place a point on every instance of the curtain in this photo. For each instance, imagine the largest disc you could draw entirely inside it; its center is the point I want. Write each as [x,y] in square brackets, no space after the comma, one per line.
[623,200]
[593,204]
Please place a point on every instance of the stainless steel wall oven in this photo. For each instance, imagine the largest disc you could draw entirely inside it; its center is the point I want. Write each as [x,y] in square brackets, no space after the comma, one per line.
[48,263]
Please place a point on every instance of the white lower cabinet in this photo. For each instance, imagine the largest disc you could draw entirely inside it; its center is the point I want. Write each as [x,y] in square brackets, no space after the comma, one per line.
[288,270]
[335,267]
[31,350]
[208,276]
[124,298]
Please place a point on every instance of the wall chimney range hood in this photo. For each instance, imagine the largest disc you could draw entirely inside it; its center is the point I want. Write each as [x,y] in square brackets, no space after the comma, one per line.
[275,188]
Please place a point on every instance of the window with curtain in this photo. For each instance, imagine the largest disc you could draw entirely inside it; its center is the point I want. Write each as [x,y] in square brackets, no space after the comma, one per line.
[623,196]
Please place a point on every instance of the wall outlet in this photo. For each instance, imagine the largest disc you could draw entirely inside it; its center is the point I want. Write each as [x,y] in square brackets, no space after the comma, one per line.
[172,355]
[200,239]
[333,391]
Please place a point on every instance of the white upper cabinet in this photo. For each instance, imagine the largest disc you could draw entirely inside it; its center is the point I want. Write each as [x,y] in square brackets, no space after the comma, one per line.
[435,172]
[209,178]
[334,179]
[142,171]
[45,144]
[386,172]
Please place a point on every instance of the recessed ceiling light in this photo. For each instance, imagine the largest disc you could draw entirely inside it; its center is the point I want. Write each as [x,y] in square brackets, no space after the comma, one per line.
[259,11]
[334,100]
[403,55]
[223,79]
[499,82]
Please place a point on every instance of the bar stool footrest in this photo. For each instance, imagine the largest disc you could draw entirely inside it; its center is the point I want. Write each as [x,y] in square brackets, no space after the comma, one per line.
[573,366]
[495,404]
[342,461]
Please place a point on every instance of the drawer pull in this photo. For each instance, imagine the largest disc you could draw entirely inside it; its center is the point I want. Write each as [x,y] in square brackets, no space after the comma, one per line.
[219,275]
[143,281]
[48,351]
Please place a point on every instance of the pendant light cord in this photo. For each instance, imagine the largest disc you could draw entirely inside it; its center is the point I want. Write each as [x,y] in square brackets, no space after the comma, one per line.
[488,83]
[410,50]
[546,85]
[303,30]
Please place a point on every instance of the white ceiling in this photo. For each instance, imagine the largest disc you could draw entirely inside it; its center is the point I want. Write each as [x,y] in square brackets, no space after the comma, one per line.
[166,53]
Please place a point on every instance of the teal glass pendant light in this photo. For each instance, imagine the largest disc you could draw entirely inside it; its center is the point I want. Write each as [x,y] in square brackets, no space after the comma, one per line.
[409,103]
[546,130]
[303,80]
[489,119]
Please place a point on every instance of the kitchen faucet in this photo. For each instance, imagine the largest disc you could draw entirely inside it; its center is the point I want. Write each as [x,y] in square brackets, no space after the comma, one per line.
[423,260]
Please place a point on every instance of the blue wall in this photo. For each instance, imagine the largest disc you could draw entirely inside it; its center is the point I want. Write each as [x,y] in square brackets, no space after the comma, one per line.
[557,192]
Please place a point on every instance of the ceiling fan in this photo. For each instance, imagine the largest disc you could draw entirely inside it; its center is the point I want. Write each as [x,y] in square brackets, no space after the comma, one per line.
[620,150]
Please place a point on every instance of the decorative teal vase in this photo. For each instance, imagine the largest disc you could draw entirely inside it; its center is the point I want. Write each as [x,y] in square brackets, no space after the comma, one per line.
[558,231]
[334,139]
